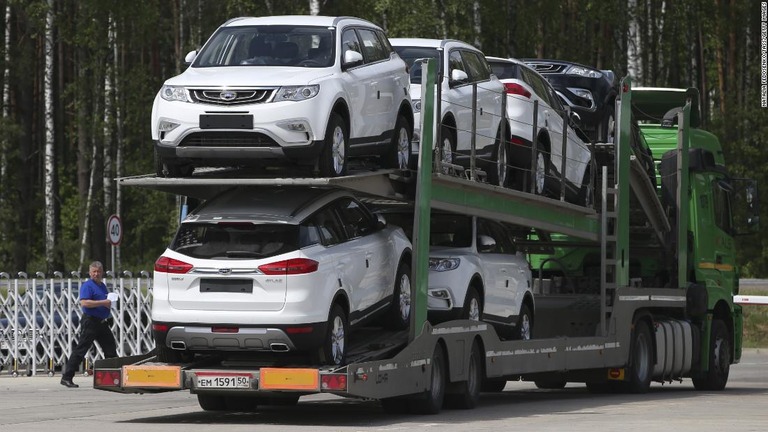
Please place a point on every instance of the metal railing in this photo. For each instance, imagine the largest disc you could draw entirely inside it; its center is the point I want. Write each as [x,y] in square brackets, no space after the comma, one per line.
[39,319]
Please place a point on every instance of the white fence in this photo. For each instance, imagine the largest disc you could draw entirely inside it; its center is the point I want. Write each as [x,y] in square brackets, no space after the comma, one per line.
[38,332]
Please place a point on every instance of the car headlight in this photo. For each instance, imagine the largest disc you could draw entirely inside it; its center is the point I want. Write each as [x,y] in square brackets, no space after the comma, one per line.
[443,264]
[296,93]
[585,72]
[174,93]
[582,93]
[416,105]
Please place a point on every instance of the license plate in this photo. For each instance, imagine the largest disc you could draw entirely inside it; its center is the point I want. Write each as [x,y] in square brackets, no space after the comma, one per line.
[226,121]
[223,381]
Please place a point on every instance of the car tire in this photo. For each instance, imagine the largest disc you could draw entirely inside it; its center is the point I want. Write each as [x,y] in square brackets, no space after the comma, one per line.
[524,329]
[446,148]
[400,312]
[334,155]
[167,355]
[399,154]
[473,305]
[333,350]
[541,170]
[499,172]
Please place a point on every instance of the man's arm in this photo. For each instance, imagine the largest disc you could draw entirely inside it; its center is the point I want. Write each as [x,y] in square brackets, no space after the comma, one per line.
[88,303]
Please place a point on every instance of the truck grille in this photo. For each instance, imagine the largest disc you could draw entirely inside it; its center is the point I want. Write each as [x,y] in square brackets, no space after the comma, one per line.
[232,96]
[227,139]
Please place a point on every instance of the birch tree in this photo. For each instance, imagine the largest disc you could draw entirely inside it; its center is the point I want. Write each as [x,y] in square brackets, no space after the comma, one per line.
[49,160]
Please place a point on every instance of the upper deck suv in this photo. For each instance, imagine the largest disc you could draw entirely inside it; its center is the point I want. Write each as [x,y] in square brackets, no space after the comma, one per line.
[462,67]
[309,89]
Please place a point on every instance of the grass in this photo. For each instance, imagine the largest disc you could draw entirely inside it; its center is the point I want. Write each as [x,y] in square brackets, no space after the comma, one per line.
[755,321]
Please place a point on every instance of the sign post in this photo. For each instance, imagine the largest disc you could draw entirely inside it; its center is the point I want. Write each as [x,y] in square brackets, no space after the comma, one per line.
[115,234]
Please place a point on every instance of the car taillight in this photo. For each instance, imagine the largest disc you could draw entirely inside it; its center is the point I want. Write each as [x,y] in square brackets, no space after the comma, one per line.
[292,266]
[516,89]
[170,265]
[160,327]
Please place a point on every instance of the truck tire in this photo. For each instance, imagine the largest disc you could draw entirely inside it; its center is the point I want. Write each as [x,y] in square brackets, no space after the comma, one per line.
[212,402]
[334,155]
[640,360]
[399,155]
[719,359]
[333,351]
[241,403]
[431,401]
[400,311]
[466,394]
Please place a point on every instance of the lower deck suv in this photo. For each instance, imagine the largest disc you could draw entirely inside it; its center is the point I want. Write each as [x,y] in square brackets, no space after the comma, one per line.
[310,90]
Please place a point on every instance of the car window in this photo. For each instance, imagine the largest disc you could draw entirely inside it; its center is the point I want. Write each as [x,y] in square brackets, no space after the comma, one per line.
[357,220]
[373,50]
[505,70]
[477,68]
[268,46]
[328,226]
[349,41]
[498,233]
[450,230]
[235,240]
[411,54]
[455,61]
[538,87]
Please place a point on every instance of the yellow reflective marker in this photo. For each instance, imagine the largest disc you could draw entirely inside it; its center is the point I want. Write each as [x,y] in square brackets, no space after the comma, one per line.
[152,376]
[289,379]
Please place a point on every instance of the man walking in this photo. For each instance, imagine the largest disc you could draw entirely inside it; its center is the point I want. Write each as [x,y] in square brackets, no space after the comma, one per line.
[95,324]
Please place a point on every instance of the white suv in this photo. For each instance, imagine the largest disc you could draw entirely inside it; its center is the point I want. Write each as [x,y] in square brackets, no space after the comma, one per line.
[278,271]
[461,65]
[311,90]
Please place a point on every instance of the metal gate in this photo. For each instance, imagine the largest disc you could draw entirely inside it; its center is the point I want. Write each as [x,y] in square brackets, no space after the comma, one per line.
[39,319]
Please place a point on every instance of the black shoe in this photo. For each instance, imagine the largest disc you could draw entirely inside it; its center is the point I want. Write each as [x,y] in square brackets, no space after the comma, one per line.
[68,383]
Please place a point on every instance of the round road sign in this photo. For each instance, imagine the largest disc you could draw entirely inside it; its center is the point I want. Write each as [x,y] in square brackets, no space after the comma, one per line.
[115,230]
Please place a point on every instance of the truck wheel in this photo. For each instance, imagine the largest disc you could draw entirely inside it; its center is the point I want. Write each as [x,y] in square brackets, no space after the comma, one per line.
[719,359]
[241,403]
[431,401]
[524,329]
[333,351]
[466,394]
[399,155]
[400,311]
[212,402]
[473,306]
[333,157]
[640,360]
[499,172]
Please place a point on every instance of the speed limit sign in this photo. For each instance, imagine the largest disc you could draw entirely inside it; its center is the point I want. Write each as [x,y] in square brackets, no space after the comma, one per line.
[115,230]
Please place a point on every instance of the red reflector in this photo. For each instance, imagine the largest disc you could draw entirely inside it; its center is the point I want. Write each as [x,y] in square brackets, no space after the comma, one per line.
[170,265]
[516,89]
[298,330]
[106,378]
[225,329]
[333,382]
[160,327]
[624,88]
[290,267]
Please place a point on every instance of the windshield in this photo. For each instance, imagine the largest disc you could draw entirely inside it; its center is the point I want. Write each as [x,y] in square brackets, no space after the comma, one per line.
[235,240]
[269,46]
[411,54]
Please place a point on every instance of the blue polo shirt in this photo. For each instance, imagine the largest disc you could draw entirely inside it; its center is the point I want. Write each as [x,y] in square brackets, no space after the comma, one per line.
[90,290]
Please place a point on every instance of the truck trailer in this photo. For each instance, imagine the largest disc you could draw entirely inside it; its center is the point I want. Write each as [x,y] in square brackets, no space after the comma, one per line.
[635,290]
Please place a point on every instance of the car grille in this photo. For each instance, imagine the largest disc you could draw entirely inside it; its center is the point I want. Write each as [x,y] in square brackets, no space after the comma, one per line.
[232,96]
[547,68]
[227,139]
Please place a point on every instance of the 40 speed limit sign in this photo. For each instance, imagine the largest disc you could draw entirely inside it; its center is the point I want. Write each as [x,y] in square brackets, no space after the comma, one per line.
[115,230]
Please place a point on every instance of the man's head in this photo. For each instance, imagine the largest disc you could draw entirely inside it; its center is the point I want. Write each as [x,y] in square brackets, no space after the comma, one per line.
[96,271]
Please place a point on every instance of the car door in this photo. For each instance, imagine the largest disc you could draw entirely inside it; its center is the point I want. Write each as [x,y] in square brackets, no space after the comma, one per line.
[361,84]
[496,270]
[377,59]
[489,94]
[578,154]
[369,256]
[457,98]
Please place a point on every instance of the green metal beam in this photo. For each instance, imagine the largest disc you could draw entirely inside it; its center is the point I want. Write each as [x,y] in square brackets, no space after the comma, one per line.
[683,194]
[623,152]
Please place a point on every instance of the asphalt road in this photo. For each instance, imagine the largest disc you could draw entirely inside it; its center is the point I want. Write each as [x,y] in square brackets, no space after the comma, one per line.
[41,404]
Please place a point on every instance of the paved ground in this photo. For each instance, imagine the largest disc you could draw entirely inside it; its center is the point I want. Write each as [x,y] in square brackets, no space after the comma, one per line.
[41,404]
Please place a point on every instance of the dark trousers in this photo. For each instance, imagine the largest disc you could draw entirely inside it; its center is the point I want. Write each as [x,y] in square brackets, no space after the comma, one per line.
[91,329]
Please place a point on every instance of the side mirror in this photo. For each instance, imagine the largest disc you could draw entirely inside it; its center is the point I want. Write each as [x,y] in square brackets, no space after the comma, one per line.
[486,243]
[381,222]
[351,59]
[458,76]
[190,57]
[575,119]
